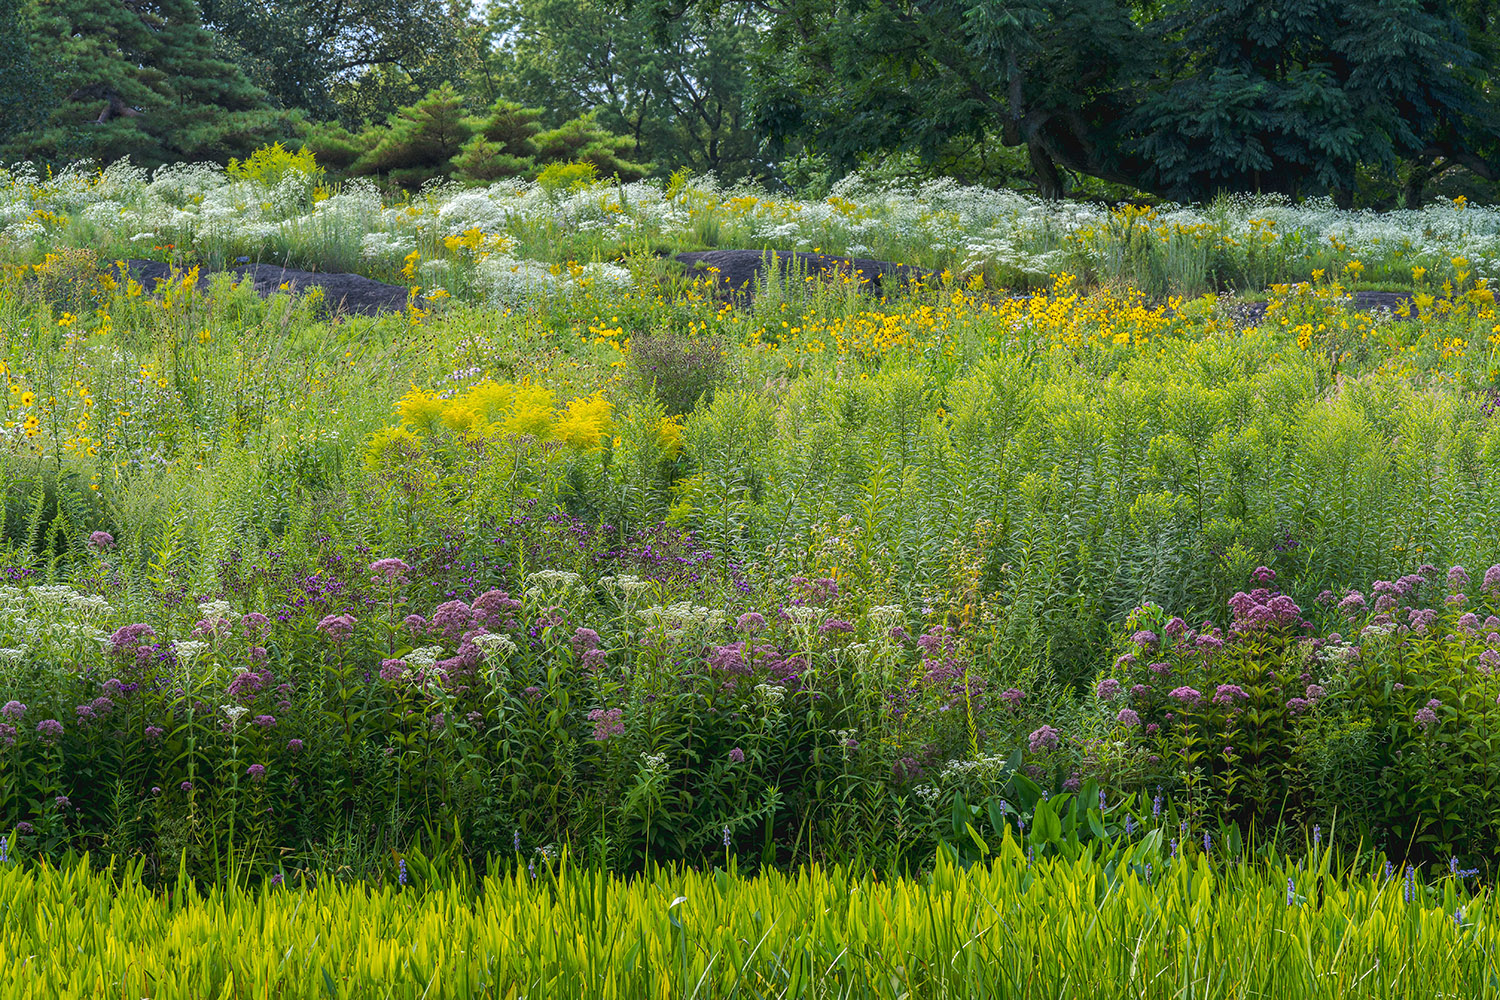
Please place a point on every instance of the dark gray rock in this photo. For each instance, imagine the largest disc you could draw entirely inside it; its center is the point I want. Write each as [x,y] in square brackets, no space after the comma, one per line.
[349,294]
[1250,313]
[737,273]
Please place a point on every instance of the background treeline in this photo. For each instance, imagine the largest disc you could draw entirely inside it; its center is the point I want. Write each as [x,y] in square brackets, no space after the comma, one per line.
[1373,102]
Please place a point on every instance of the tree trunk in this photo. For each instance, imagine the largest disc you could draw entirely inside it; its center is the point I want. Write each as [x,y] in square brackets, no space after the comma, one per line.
[1048,181]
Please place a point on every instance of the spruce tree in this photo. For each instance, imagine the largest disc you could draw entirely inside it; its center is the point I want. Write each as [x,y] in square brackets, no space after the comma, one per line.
[139,78]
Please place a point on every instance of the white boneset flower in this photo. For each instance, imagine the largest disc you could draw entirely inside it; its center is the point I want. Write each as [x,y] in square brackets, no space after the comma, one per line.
[492,644]
[422,657]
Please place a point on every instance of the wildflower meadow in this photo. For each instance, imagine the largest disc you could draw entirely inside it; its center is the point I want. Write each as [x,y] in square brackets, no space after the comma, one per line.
[1119,593]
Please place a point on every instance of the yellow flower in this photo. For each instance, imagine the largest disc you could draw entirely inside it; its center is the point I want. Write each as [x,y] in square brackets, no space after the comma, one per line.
[584,423]
[421,410]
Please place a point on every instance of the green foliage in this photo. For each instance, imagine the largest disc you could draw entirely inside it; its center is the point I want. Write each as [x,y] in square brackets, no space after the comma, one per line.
[145,84]
[1294,95]
[23,89]
[1179,99]
[680,90]
[678,371]
[1131,918]
[419,142]
[584,140]
[502,145]
[352,62]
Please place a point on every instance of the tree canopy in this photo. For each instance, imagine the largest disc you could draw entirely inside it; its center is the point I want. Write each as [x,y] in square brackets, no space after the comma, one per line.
[1183,97]
[143,80]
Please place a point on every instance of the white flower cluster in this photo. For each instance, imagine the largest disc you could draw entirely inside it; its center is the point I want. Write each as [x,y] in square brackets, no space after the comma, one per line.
[494,645]
[676,621]
[624,584]
[423,657]
[201,206]
[51,619]
[551,579]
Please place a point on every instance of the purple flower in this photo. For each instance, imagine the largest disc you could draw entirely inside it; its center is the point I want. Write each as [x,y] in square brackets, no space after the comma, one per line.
[1492,580]
[99,541]
[1140,691]
[452,619]
[737,756]
[390,570]
[1073,783]
[1353,604]
[585,640]
[1145,638]
[1297,706]
[154,733]
[295,746]
[244,685]
[1227,694]
[1489,660]
[13,710]
[265,721]
[49,729]
[607,722]
[1175,626]
[1045,738]
[750,621]
[532,693]
[415,623]
[392,670]
[128,638]
[1458,578]
[1263,574]
[7,735]
[835,625]
[338,628]
[1108,689]
[186,786]
[256,772]
[1188,696]
[1128,717]
[1013,698]
[1425,717]
[62,801]
[729,659]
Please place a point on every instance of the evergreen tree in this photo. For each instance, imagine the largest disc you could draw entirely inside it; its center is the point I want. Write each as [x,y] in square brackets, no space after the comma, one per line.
[584,140]
[23,82]
[143,80]
[502,146]
[420,141]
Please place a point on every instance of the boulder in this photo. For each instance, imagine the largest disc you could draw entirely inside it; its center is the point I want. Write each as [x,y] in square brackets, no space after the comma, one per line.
[342,293]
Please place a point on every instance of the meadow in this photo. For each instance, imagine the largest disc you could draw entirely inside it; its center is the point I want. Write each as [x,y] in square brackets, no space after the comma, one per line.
[996,587]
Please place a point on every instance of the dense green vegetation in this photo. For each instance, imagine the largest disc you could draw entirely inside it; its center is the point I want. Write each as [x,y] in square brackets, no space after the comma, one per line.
[1379,104]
